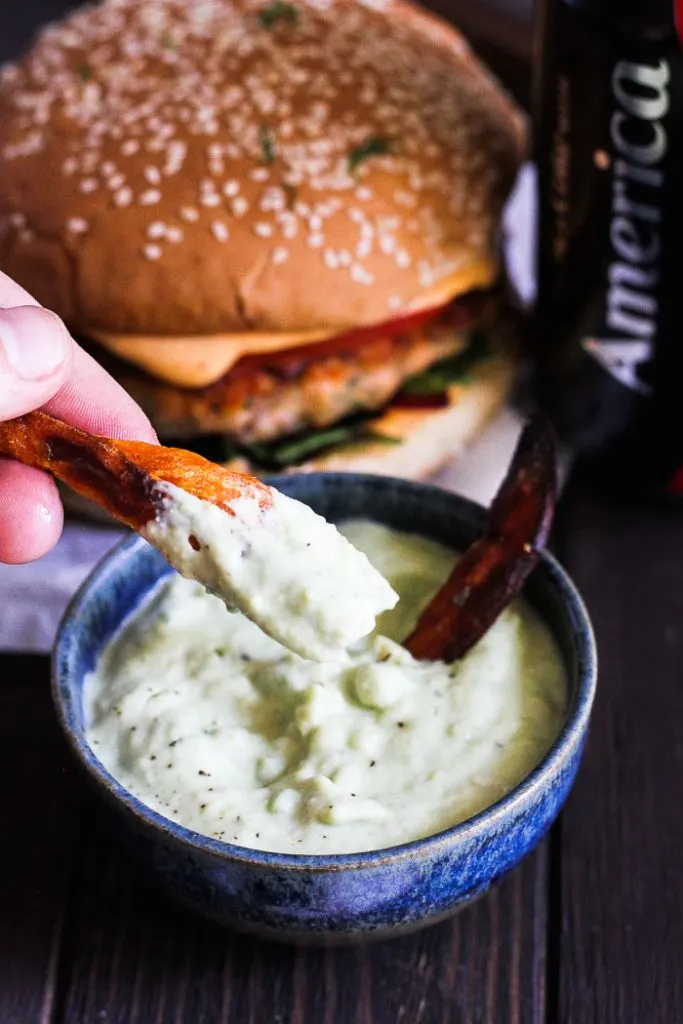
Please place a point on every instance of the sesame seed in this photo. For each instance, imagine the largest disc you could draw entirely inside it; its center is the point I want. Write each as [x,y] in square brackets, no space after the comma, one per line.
[87,185]
[344,257]
[259,174]
[189,214]
[280,255]
[152,175]
[175,156]
[231,188]
[263,229]
[364,248]
[156,230]
[330,259]
[130,147]
[124,197]
[395,302]
[116,181]
[404,198]
[151,252]
[239,206]
[108,168]
[220,231]
[17,220]
[360,275]
[402,259]
[290,230]
[174,233]
[70,165]
[364,193]
[210,199]
[77,225]
[150,197]
[315,241]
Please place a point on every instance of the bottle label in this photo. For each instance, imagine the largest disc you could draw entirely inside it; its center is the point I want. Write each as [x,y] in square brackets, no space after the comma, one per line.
[610,289]
[635,165]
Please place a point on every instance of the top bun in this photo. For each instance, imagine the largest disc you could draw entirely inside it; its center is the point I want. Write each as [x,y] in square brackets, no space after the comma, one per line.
[173,168]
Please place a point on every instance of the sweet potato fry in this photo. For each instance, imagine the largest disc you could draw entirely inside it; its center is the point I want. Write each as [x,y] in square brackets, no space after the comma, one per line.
[494,568]
[121,476]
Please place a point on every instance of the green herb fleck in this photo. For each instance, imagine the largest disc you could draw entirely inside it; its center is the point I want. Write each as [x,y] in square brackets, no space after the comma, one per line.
[267,144]
[167,42]
[84,72]
[374,145]
[278,10]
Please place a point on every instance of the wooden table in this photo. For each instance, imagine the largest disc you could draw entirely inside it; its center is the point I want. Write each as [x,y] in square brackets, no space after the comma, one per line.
[589,930]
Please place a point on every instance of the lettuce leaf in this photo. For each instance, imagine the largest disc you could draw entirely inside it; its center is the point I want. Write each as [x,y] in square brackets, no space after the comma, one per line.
[294,450]
[453,370]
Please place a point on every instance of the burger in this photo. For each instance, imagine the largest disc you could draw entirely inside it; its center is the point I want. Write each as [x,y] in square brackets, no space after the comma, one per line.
[276,222]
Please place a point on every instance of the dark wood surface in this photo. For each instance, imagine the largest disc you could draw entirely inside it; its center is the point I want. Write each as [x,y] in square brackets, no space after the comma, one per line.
[589,930]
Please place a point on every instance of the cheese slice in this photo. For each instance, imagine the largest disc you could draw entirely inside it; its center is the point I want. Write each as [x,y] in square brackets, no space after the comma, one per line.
[195,361]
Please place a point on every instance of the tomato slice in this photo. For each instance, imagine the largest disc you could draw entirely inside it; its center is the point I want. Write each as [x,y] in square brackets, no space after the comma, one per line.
[459,314]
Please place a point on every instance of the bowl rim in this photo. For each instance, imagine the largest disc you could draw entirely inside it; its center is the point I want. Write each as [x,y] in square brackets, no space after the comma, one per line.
[569,737]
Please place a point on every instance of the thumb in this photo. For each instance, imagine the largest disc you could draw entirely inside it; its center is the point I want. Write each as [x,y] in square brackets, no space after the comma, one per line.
[36,354]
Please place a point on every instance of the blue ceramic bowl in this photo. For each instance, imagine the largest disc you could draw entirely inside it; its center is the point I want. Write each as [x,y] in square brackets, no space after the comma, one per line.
[353,896]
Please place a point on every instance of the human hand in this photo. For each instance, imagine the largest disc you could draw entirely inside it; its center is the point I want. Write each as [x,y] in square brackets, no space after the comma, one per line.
[41,366]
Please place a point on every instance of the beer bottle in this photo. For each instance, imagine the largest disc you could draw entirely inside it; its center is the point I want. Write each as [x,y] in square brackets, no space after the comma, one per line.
[608,110]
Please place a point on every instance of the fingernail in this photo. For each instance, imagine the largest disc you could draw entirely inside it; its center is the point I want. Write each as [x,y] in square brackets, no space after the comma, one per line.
[34,342]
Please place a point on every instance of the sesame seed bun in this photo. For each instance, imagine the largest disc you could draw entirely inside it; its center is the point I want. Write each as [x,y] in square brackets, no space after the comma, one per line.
[203,168]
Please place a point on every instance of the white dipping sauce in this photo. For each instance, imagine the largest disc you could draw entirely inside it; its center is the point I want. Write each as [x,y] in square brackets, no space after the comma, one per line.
[285,567]
[213,724]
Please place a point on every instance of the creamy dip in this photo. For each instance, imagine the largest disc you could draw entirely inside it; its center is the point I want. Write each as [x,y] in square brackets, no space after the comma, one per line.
[283,566]
[215,725]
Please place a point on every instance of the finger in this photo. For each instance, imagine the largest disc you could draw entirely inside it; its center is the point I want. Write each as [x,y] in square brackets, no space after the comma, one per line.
[92,400]
[31,515]
[36,358]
